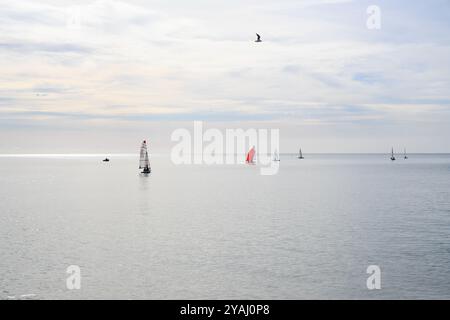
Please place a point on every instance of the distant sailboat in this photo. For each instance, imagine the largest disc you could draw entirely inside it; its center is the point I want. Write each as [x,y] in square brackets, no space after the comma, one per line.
[276,156]
[250,156]
[406,157]
[300,154]
[392,155]
[144,162]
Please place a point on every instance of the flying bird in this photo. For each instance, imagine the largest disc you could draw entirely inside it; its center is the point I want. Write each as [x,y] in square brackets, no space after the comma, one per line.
[258,38]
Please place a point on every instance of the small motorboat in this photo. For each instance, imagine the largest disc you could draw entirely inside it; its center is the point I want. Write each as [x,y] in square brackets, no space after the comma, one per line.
[106,160]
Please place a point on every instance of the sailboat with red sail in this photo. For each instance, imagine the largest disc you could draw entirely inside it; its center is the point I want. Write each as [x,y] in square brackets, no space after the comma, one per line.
[250,156]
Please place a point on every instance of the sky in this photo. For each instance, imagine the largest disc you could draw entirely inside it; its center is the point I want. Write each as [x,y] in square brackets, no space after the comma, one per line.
[100,76]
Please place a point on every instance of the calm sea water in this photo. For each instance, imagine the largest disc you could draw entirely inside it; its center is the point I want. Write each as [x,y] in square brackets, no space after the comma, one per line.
[191,232]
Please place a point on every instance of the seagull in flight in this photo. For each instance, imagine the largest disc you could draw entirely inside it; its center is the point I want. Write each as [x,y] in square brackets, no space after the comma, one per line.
[258,38]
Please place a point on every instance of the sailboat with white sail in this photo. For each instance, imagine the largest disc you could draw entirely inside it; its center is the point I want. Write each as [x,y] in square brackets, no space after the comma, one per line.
[406,157]
[144,161]
[250,159]
[300,154]
[392,155]
[276,156]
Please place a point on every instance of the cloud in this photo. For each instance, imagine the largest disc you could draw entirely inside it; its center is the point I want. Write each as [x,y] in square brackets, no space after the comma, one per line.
[39,47]
[161,61]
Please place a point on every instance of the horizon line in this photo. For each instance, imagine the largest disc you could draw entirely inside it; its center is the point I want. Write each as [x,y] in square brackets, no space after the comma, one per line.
[5,155]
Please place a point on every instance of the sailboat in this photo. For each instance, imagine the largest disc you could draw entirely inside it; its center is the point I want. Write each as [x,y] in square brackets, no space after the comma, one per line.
[276,156]
[406,157]
[144,162]
[300,155]
[250,156]
[392,155]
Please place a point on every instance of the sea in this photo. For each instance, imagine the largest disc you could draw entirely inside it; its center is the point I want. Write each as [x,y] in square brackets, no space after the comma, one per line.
[330,226]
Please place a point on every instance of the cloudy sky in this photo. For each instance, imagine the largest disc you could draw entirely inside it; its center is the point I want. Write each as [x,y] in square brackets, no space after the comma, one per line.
[99,76]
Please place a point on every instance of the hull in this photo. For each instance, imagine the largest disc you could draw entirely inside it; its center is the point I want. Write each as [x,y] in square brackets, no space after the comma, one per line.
[147,170]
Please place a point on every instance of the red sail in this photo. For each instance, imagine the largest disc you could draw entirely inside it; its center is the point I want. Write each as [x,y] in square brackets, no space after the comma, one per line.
[250,155]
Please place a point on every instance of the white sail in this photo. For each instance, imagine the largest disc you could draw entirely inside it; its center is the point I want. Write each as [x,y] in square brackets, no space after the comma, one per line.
[144,161]
[276,156]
